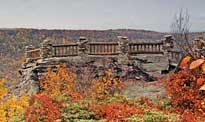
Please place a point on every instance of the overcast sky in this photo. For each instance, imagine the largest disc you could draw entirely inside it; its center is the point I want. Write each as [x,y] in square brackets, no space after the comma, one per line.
[99,14]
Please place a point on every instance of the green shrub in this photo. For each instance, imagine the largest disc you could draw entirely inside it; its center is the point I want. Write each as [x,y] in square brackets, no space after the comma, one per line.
[75,111]
[154,116]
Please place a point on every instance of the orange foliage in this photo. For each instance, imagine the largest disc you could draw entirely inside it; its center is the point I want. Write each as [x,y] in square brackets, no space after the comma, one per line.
[105,87]
[42,108]
[203,68]
[187,116]
[184,61]
[58,83]
[147,102]
[184,91]
[196,63]
[200,81]
[117,111]
[187,87]
[75,96]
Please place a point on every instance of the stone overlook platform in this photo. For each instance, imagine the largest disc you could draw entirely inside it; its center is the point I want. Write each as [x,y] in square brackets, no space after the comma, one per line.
[127,58]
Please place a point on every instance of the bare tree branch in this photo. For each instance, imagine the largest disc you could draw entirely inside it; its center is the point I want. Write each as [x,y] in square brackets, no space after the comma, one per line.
[180,29]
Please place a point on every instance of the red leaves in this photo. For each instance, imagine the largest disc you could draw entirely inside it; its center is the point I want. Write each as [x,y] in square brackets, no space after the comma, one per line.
[200,81]
[183,91]
[187,116]
[118,111]
[183,88]
[186,89]
[44,108]
[75,96]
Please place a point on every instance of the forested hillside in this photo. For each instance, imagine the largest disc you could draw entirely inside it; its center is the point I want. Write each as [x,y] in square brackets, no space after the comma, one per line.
[107,98]
[13,41]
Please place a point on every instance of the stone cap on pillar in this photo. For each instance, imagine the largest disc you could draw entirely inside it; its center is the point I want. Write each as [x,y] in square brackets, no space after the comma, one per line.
[199,42]
[122,37]
[199,39]
[196,39]
[29,47]
[82,38]
[168,42]
[168,37]
[47,42]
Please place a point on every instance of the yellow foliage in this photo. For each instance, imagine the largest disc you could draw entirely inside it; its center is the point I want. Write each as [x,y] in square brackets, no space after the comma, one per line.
[2,113]
[105,87]
[58,83]
[3,90]
[11,109]
[14,108]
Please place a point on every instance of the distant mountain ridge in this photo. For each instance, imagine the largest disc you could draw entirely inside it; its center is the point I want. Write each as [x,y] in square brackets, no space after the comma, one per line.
[90,34]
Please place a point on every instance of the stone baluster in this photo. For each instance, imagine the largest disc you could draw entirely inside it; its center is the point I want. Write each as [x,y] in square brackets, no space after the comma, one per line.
[46,49]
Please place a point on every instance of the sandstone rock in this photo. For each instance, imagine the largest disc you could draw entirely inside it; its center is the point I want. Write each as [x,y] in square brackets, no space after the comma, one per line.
[91,67]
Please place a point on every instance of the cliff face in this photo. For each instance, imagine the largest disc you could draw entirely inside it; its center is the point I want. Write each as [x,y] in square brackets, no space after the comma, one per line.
[89,60]
[89,68]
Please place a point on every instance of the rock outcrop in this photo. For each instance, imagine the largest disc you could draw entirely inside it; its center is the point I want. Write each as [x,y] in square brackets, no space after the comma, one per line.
[89,60]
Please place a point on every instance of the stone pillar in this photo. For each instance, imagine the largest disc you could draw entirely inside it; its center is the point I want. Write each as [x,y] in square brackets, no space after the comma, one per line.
[123,49]
[46,49]
[28,50]
[168,44]
[199,46]
[82,46]
[123,45]
[28,53]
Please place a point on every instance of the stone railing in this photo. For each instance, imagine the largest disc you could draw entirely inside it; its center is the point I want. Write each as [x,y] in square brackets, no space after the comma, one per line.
[103,48]
[85,48]
[62,50]
[146,48]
